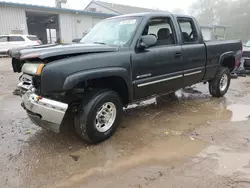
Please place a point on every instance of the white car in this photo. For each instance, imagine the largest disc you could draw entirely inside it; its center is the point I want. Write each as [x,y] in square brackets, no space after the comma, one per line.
[12,41]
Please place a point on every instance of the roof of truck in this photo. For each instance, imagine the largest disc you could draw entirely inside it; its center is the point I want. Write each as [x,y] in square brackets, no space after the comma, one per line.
[150,14]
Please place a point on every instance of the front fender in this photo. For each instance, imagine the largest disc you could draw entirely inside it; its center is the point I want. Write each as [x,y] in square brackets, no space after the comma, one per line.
[78,77]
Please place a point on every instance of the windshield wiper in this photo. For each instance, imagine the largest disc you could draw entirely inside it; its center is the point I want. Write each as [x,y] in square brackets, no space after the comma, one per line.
[100,43]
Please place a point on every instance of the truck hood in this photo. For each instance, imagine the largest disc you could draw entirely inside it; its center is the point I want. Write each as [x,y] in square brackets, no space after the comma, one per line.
[52,50]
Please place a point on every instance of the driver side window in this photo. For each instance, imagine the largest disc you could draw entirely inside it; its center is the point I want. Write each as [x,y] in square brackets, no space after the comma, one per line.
[162,29]
[189,32]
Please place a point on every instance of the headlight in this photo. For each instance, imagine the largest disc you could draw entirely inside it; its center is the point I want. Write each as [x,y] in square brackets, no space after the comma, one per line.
[33,68]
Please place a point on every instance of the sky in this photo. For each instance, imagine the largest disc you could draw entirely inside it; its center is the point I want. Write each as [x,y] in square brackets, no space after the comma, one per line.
[169,5]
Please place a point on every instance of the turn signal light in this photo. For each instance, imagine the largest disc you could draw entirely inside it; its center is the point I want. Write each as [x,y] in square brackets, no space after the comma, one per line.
[39,69]
[38,98]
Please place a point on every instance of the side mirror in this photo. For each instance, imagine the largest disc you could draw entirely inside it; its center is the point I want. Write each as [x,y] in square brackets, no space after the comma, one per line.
[147,41]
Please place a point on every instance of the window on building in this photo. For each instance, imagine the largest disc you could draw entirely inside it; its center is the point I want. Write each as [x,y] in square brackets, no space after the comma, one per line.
[4,39]
[51,36]
[189,32]
[16,38]
[162,29]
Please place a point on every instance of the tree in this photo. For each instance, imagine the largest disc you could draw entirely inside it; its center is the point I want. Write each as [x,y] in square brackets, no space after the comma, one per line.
[231,13]
[238,20]
[208,11]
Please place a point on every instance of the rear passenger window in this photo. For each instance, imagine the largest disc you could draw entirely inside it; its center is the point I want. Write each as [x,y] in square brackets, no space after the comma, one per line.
[189,32]
[32,38]
[162,29]
[16,38]
[4,39]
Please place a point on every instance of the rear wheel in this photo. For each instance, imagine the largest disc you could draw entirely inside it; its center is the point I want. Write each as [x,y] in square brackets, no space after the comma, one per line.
[99,116]
[218,87]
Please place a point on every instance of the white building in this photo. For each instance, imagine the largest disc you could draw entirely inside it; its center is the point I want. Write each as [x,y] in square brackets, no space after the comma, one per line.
[59,23]
[113,8]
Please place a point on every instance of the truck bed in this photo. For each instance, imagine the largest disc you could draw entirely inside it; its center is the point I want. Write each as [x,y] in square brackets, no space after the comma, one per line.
[215,49]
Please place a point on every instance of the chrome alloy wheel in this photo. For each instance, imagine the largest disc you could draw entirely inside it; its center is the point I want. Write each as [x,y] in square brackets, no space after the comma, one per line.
[105,117]
[223,82]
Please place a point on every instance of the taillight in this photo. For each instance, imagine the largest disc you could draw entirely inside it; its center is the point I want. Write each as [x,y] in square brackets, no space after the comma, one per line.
[8,52]
[239,56]
[237,63]
[241,50]
[39,42]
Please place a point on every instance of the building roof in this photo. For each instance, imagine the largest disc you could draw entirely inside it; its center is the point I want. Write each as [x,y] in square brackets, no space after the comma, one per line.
[121,9]
[54,9]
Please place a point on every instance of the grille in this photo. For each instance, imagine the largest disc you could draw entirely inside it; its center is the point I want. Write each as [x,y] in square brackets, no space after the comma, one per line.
[246,54]
[27,79]
[34,81]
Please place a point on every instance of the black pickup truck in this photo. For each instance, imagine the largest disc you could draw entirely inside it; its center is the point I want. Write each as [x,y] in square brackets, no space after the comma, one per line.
[121,60]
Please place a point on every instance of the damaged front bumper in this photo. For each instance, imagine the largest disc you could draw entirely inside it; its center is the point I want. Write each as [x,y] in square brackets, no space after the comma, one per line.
[46,113]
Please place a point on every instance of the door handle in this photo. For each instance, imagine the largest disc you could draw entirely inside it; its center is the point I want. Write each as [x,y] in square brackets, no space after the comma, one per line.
[177,55]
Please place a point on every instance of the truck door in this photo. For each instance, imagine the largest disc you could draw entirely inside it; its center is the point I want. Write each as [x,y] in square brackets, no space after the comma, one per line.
[193,51]
[158,69]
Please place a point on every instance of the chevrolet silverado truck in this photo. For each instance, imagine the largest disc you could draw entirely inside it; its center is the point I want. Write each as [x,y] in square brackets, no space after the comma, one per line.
[121,60]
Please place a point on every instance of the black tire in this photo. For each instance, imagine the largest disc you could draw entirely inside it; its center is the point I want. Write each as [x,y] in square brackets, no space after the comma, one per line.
[85,120]
[215,84]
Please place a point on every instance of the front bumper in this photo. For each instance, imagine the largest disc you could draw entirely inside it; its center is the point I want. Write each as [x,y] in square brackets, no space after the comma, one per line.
[44,112]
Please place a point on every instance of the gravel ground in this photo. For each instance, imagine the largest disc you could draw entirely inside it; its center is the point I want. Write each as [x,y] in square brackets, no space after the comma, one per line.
[192,140]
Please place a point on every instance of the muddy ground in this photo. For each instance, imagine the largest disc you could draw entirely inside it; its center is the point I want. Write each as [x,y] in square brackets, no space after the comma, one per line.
[190,141]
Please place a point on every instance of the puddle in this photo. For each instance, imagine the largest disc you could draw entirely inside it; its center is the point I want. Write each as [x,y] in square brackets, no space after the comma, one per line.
[229,162]
[241,112]
[156,131]
[170,149]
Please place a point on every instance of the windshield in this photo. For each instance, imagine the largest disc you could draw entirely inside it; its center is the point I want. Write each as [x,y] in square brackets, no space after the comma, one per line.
[248,43]
[116,32]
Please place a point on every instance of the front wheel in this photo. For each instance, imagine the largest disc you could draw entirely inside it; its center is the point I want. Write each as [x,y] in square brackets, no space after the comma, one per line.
[99,116]
[218,87]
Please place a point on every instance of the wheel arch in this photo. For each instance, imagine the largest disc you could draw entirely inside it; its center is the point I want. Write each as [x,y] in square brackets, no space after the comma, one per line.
[115,78]
[228,60]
